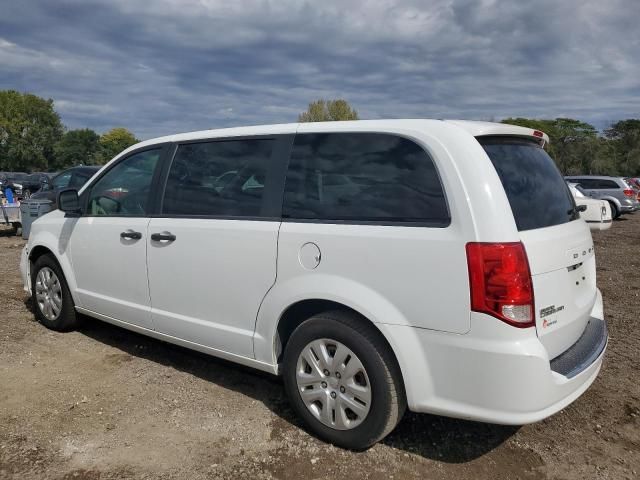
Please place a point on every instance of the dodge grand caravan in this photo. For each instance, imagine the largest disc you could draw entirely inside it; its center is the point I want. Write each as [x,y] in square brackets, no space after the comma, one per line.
[439,266]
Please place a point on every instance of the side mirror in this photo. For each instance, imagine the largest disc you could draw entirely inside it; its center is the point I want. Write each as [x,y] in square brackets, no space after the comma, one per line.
[69,202]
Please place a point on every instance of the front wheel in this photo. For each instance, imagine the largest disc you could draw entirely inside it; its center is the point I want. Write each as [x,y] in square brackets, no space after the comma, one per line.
[343,380]
[53,304]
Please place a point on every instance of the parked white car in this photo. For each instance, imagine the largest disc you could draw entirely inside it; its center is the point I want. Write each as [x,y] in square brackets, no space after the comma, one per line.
[377,265]
[597,213]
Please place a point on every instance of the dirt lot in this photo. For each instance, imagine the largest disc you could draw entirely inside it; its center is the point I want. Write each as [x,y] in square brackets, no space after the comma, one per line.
[105,403]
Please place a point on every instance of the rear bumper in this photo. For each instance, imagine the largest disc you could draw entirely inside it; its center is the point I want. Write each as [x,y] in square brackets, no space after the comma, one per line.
[582,354]
[603,225]
[502,375]
[627,206]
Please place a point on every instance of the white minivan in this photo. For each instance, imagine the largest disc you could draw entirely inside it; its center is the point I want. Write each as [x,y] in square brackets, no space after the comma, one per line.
[439,266]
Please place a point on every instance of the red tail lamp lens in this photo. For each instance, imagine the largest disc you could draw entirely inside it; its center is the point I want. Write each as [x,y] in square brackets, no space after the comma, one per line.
[500,282]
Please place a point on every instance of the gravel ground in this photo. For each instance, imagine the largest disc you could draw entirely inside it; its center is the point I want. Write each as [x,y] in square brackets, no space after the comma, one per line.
[104,403]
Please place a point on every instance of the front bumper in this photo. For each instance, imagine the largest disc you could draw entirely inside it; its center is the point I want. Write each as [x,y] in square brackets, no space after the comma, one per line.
[499,374]
[24,270]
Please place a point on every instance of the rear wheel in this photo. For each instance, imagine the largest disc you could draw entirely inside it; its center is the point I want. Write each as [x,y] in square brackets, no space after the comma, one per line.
[53,304]
[343,381]
[615,213]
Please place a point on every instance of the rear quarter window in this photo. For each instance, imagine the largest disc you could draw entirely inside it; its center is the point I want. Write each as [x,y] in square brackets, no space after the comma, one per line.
[608,184]
[537,192]
[363,177]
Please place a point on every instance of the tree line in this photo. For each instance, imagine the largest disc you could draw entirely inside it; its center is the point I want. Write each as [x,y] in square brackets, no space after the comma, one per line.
[578,148]
[32,138]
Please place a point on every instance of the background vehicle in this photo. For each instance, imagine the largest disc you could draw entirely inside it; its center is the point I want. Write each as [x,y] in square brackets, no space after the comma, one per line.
[23,184]
[14,180]
[614,190]
[597,213]
[74,177]
[635,184]
[439,266]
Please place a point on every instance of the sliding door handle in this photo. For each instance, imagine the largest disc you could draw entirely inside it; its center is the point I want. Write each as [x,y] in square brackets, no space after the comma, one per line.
[164,236]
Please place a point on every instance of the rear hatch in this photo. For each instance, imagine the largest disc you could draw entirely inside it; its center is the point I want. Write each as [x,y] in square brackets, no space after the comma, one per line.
[558,244]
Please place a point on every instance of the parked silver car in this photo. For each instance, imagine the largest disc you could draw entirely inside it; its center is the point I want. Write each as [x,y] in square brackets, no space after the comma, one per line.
[619,194]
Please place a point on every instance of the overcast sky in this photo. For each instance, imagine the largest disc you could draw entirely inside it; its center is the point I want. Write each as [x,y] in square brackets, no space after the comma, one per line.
[167,66]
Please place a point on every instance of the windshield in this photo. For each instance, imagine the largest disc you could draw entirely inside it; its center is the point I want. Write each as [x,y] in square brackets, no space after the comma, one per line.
[576,190]
[537,193]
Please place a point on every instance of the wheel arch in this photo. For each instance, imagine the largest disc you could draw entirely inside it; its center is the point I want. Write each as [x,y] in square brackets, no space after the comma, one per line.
[299,311]
[611,199]
[40,249]
[614,205]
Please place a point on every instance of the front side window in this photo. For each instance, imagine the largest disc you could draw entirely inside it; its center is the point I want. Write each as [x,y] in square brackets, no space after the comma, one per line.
[124,189]
[218,178]
[363,177]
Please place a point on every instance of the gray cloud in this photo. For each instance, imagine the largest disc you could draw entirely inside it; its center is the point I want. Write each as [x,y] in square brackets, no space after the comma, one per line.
[173,65]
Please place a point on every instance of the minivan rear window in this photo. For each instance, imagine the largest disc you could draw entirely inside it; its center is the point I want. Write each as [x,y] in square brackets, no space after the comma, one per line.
[536,190]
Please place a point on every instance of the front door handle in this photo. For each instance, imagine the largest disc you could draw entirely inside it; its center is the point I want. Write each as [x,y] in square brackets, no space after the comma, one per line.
[131,235]
[158,237]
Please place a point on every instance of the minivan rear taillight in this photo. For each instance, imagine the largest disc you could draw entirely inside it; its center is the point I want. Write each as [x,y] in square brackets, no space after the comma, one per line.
[628,192]
[500,282]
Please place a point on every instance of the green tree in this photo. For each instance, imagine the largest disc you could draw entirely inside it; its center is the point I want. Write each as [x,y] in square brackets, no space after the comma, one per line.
[572,143]
[328,111]
[113,142]
[624,137]
[628,130]
[29,129]
[76,147]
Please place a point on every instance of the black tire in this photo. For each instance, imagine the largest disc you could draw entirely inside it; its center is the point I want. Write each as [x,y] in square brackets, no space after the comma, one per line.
[388,400]
[615,213]
[67,318]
